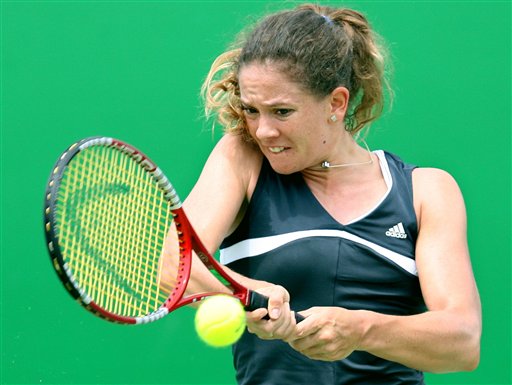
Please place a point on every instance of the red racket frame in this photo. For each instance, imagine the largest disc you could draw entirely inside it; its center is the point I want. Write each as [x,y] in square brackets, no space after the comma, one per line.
[189,241]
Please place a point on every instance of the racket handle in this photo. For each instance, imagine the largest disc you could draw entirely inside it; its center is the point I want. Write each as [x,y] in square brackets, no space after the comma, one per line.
[258,301]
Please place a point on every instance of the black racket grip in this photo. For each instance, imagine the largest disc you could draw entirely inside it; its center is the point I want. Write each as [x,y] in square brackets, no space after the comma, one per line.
[258,301]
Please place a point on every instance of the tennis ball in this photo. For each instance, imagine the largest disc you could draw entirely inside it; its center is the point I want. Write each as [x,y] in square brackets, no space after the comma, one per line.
[220,320]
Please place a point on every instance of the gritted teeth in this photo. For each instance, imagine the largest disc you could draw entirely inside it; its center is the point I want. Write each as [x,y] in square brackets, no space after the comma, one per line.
[276,150]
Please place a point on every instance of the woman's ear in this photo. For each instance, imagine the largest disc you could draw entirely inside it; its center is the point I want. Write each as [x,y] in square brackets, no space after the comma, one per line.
[339,102]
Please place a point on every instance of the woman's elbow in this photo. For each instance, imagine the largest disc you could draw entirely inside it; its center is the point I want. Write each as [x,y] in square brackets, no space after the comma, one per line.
[471,352]
[472,360]
[474,357]
[464,353]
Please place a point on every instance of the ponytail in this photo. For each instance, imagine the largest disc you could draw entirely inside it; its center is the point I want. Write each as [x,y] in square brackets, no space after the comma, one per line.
[368,71]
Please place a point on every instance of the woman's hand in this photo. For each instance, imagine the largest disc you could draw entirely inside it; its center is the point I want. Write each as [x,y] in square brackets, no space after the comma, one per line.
[327,333]
[281,324]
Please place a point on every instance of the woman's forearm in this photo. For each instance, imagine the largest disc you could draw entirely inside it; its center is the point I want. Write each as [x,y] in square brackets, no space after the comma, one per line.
[435,341]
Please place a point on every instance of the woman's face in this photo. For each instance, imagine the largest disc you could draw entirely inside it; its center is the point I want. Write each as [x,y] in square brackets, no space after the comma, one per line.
[291,126]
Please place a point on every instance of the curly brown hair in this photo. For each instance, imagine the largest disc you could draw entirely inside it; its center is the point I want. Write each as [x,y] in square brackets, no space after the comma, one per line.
[320,48]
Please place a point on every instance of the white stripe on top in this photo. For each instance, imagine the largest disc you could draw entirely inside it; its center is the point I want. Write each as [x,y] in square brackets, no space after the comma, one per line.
[257,246]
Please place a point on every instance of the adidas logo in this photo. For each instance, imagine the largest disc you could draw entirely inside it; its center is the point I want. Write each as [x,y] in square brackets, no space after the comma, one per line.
[397,231]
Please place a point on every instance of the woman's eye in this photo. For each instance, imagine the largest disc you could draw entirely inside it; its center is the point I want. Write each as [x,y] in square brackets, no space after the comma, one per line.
[249,110]
[283,112]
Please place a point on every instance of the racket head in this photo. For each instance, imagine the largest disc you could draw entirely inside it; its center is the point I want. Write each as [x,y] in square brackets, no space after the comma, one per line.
[104,246]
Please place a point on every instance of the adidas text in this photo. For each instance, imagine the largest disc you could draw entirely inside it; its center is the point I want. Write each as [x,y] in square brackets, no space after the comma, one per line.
[396,235]
[397,231]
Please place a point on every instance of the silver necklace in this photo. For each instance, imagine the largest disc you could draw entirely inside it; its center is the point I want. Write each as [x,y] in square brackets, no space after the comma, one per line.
[326,164]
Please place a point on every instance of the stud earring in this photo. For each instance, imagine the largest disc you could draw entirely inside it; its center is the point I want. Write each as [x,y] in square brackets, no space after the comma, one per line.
[333,118]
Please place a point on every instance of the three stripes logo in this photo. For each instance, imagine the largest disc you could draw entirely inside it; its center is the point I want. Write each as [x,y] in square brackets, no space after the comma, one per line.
[397,231]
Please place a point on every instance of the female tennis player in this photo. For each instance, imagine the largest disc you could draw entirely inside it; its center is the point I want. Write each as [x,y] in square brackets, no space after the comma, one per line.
[370,249]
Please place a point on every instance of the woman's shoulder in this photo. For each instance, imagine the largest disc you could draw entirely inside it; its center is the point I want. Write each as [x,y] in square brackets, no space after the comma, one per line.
[433,178]
[234,145]
[240,157]
[436,190]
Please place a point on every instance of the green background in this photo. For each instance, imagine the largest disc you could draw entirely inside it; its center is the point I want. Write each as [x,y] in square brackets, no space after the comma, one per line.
[133,69]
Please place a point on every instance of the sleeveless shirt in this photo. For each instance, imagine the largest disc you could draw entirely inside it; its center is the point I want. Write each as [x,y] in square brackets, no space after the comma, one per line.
[286,237]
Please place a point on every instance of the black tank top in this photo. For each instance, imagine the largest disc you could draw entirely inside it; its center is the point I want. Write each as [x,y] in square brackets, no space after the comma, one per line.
[286,237]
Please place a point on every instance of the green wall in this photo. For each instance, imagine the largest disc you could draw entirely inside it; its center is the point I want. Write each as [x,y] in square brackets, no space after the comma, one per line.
[132,69]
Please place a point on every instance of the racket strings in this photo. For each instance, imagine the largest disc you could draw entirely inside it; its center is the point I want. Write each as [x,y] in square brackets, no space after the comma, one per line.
[113,223]
[127,269]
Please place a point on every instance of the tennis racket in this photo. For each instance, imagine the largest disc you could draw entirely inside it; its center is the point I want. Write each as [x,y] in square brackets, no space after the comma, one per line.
[119,238]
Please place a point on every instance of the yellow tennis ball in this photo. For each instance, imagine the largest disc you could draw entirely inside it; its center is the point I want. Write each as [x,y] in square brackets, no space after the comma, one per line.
[220,320]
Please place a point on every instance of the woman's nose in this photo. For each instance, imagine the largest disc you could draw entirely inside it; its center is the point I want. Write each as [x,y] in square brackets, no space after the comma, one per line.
[266,129]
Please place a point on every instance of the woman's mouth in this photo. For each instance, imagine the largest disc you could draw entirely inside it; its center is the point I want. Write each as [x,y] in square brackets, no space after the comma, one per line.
[276,150]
